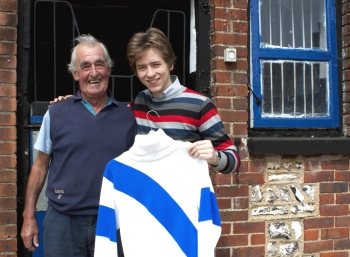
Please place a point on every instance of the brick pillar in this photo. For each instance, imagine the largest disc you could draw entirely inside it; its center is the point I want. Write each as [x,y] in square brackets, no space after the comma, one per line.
[8,162]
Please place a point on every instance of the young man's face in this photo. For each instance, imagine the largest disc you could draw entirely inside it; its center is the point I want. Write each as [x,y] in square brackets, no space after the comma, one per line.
[153,72]
[92,71]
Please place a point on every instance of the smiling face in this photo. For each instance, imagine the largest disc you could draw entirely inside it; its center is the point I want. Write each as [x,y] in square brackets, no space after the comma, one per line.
[153,71]
[92,71]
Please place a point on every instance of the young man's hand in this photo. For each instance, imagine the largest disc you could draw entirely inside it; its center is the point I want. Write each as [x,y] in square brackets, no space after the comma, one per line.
[60,98]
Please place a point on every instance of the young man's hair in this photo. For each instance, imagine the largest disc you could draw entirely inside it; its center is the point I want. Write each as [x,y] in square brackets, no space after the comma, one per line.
[152,38]
[89,41]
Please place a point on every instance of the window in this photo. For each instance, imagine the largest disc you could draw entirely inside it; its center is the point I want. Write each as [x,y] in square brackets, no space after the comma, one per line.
[294,64]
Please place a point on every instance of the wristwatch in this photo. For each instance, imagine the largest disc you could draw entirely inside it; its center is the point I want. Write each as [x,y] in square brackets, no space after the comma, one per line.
[217,159]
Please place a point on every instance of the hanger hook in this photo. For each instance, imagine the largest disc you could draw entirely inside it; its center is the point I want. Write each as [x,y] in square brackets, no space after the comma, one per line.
[149,122]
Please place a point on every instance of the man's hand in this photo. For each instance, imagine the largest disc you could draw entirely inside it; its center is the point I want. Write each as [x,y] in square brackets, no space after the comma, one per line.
[30,234]
[204,150]
[60,98]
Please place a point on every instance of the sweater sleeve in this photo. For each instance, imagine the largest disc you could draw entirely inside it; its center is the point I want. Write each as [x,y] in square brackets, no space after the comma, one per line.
[107,223]
[212,128]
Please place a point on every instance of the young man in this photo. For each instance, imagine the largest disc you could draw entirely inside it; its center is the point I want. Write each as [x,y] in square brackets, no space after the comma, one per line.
[183,114]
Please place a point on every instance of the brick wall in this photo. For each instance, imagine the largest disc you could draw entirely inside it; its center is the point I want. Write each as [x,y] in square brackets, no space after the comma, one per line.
[325,230]
[8,177]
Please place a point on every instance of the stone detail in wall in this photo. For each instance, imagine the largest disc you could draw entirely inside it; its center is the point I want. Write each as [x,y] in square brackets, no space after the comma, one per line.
[256,194]
[289,249]
[301,208]
[279,230]
[296,227]
[282,177]
[298,195]
[270,195]
[310,191]
[284,193]
[269,211]
[271,249]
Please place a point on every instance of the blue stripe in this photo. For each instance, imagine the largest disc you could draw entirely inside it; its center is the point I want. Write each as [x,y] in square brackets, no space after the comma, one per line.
[208,209]
[211,131]
[36,119]
[197,100]
[158,202]
[107,229]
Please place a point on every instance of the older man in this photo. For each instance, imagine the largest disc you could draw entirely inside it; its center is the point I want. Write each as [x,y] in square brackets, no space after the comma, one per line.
[77,139]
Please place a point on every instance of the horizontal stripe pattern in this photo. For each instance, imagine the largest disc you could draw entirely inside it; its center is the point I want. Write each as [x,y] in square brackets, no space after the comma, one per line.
[187,116]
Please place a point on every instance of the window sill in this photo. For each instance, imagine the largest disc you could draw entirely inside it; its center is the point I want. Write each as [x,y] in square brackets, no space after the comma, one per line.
[298,145]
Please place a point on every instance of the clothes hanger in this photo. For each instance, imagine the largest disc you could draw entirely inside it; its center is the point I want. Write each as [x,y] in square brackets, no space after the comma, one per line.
[149,122]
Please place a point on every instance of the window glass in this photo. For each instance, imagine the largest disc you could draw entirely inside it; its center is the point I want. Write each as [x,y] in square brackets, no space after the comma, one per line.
[293,24]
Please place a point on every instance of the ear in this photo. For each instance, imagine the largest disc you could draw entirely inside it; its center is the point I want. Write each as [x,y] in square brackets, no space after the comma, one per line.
[75,75]
[171,67]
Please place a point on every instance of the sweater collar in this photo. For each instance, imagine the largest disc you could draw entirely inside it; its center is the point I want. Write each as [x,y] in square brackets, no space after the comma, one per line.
[152,146]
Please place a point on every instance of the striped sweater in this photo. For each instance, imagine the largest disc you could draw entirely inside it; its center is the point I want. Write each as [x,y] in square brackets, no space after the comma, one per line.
[187,116]
[163,206]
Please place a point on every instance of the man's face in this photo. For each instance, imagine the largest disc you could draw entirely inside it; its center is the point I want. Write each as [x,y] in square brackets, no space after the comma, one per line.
[153,72]
[92,71]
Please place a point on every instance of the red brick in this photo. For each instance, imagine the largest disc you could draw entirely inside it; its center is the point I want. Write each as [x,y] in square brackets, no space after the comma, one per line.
[8,91]
[342,221]
[240,104]
[7,218]
[233,116]
[232,90]
[8,245]
[233,240]
[318,176]
[334,210]
[222,103]
[8,34]
[343,198]
[334,254]
[257,166]
[221,3]
[239,78]
[8,19]
[8,204]
[8,48]
[8,190]
[249,227]
[223,252]
[7,162]
[240,27]
[232,191]
[342,244]
[7,76]
[8,105]
[326,199]
[242,4]
[338,187]
[7,147]
[312,165]
[258,239]
[233,216]
[251,178]
[334,233]
[222,77]
[230,39]
[8,62]
[226,228]
[240,129]
[8,133]
[342,175]
[8,5]
[224,203]
[240,203]
[311,235]
[8,231]
[221,179]
[222,25]
[248,251]
[335,164]
[230,14]
[310,247]
[313,223]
